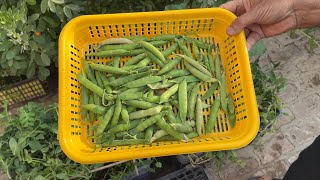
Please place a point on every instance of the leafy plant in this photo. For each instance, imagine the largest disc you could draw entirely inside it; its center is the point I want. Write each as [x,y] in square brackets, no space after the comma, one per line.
[29,148]
[29,34]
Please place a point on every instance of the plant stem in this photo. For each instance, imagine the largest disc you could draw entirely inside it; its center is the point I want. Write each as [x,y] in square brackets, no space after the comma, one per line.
[107,166]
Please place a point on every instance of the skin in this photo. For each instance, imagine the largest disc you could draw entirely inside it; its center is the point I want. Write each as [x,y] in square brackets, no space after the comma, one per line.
[266,18]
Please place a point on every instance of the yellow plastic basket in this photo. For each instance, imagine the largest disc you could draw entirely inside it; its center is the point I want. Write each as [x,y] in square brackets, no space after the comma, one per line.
[82,33]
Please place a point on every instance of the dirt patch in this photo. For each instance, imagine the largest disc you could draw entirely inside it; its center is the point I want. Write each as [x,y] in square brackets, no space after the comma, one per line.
[276,147]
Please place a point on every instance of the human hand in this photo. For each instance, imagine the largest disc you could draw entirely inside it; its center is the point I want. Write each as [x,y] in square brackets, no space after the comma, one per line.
[261,18]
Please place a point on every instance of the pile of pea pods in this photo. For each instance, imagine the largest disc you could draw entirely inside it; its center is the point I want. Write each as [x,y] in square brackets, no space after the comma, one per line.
[155,95]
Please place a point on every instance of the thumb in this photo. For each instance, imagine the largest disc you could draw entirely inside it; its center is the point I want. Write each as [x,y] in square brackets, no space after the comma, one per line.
[241,22]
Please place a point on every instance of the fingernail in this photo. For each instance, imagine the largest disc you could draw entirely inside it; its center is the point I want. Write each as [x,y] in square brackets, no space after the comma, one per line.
[230,31]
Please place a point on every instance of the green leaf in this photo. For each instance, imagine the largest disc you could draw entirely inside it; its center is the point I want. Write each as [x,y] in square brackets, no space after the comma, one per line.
[33,17]
[158,165]
[20,65]
[45,59]
[39,177]
[52,6]
[12,52]
[43,73]
[44,6]
[13,146]
[258,49]
[67,12]
[10,62]
[62,176]
[73,7]
[51,21]
[32,2]
[33,45]
[41,26]
[182,5]
[35,145]
[58,1]
[31,71]
[5,45]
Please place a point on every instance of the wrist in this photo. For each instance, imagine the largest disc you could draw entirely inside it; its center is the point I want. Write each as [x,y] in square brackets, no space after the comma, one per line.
[307,13]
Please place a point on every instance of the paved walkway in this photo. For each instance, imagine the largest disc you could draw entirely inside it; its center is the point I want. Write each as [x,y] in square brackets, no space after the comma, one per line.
[293,132]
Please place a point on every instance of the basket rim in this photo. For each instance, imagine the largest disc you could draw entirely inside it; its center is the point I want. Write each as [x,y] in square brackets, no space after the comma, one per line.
[75,153]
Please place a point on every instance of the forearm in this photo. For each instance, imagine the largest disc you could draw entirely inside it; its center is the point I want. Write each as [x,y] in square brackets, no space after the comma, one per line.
[307,13]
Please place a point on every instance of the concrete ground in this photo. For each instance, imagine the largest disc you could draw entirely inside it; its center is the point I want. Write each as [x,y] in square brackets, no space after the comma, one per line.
[275,152]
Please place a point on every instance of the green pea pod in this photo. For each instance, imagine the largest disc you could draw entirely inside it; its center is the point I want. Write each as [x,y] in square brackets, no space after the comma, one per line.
[210,91]
[192,101]
[183,128]
[183,100]
[149,133]
[134,52]
[191,123]
[170,50]
[145,113]
[232,119]
[174,103]
[109,69]
[135,59]
[171,117]
[89,73]
[84,100]
[117,52]
[179,119]
[199,116]
[231,107]
[196,51]
[178,73]
[140,104]
[158,43]
[153,99]
[213,115]
[170,65]
[198,73]
[124,127]
[189,79]
[164,37]
[125,79]
[158,134]
[199,43]
[131,109]
[116,62]
[211,61]
[91,114]
[218,66]
[144,62]
[190,86]
[130,96]
[90,85]
[223,94]
[192,135]
[166,127]
[154,58]
[196,64]
[206,62]
[161,85]
[149,122]
[184,48]
[94,108]
[127,47]
[105,83]
[106,119]
[166,95]
[153,49]
[124,114]
[143,81]
[116,114]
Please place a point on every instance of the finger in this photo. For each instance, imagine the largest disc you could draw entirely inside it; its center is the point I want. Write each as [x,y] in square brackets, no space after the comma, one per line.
[246,32]
[280,27]
[241,22]
[252,39]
